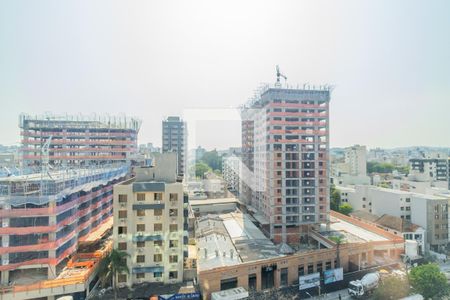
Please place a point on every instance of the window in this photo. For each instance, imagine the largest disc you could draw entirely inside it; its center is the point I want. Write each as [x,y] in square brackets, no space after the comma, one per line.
[173,259]
[173,244]
[122,198]
[122,278]
[319,266]
[173,197]
[157,243]
[122,214]
[140,259]
[173,275]
[140,197]
[122,230]
[173,227]
[157,227]
[140,212]
[301,270]
[140,244]
[140,227]
[157,257]
[310,268]
[157,196]
[408,199]
[173,212]
[157,274]
[157,212]
[122,246]
[284,277]
[140,275]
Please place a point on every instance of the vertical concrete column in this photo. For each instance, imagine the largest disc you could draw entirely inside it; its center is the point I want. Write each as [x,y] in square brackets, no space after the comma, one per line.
[51,238]
[359,261]
[4,278]
[276,277]
[258,279]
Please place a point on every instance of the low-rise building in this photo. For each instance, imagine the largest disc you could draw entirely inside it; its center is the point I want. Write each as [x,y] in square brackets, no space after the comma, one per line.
[150,223]
[233,252]
[426,210]
[395,225]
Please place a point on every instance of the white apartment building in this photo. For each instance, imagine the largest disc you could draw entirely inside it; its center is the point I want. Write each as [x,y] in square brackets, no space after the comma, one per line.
[428,211]
[356,158]
[231,170]
[150,223]
[354,168]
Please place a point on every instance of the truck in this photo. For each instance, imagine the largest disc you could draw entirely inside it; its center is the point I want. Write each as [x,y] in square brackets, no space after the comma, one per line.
[364,286]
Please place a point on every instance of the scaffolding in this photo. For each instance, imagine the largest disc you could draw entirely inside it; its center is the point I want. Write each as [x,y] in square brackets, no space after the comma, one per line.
[49,120]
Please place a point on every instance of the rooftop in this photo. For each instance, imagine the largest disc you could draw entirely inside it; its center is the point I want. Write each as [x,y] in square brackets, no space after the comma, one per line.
[230,239]
[351,232]
[213,201]
[396,223]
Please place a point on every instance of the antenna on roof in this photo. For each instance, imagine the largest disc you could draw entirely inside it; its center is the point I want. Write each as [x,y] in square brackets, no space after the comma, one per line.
[278,84]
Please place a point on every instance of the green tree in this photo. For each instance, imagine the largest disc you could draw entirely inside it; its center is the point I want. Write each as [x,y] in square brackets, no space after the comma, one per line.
[112,265]
[345,209]
[393,288]
[338,240]
[429,281]
[335,198]
[213,160]
[201,168]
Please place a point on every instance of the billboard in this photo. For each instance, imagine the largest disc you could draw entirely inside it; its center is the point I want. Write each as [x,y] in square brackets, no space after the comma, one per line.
[333,275]
[309,281]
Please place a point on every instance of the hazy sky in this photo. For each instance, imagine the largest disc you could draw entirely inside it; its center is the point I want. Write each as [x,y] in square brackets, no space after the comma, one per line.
[389,62]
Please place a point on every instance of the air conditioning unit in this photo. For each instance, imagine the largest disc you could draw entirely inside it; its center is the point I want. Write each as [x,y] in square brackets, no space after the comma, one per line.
[122,205]
[158,201]
[140,250]
[157,218]
[140,233]
[122,235]
[158,279]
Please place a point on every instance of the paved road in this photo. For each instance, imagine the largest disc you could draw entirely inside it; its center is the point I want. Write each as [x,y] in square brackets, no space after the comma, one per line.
[333,296]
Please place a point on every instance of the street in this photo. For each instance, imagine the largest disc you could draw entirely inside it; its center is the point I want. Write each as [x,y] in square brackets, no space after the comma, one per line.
[333,296]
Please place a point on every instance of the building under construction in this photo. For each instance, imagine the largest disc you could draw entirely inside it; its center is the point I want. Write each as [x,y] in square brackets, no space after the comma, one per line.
[77,140]
[285,143]
[45,217]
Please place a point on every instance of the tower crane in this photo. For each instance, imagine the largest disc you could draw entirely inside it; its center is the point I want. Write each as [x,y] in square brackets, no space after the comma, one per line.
[278,77]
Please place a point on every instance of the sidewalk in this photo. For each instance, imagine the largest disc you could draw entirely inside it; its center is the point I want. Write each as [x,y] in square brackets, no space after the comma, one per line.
[333,296]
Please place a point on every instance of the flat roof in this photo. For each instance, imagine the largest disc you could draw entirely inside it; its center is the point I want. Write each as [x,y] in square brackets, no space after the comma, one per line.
[213,201]
[67,174]
[351,232]
[230,239]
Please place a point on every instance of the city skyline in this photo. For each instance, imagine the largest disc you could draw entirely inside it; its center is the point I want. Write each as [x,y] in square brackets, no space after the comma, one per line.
[153,61]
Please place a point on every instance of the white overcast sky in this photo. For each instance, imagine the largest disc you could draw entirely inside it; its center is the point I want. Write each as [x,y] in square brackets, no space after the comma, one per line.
[389,62]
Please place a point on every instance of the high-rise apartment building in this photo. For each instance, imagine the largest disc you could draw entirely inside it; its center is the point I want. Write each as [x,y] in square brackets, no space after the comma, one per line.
[356,158]
[77,140]
[231,172]
[174,139]
[150,223]
[285,142]
[45,216]
[433,169]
